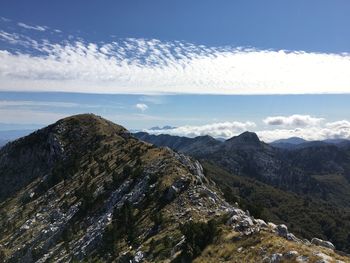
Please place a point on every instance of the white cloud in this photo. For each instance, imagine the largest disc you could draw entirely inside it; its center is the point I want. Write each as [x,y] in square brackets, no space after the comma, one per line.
[141,106]
[22,103]
[36,27]
[155,67]
[311,132]
[221,129]
[293,120]
[311,128]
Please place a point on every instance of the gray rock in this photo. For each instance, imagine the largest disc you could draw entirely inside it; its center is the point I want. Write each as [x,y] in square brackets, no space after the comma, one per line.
[261,223]
[292,237]
[323,258]
[138,257]
[246,222]
[322,243]
[275,258]
[282,230]
[302,259]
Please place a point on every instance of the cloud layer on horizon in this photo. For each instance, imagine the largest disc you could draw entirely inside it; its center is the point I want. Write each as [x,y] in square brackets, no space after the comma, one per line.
[315,129]
[152,67]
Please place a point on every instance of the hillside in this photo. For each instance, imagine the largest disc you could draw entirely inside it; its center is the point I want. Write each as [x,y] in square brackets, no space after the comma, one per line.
[84,189]
[308,188]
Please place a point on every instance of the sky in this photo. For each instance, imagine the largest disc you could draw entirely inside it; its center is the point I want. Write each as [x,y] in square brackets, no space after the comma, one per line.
[279,68]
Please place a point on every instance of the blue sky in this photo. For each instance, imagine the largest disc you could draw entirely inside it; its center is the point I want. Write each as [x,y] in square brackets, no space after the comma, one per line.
[279,68]
[313,25]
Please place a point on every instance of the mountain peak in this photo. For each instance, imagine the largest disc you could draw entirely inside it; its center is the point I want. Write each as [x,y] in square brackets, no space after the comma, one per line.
[249,138]
[90,123]
[291,140]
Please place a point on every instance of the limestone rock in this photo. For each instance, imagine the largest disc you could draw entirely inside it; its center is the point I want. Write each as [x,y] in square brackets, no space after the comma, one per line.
[322,243]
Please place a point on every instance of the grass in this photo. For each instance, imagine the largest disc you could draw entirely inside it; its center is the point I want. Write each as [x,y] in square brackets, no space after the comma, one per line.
[254,248]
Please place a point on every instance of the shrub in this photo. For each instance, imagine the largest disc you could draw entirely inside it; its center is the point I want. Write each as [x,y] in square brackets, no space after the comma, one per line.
[197,236]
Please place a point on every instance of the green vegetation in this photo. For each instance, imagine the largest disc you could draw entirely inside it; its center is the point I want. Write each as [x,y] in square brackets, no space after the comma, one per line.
[197,236]
[123,226]
[306,217]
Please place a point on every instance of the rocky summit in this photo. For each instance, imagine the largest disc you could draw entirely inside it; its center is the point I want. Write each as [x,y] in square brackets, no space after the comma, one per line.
[85,190]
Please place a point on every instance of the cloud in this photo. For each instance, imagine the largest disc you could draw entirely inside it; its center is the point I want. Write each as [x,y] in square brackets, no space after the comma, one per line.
[311,134]
[293,120]
[303,126]
[312,130]
[141,106]
[150,66]
[221,129]
[37,28]
[22,103]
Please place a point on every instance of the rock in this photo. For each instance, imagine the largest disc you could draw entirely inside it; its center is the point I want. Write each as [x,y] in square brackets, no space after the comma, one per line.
[302,259]
[323,258]
[322,243]
[272,226]
[291,237]
[246,222]
[261,223]
[282,230]
[275,258]
[306,242]
[138,257]
[171,193]
[291,254]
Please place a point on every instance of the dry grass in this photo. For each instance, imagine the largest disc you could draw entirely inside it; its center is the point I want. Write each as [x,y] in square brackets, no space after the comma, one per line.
[229,248]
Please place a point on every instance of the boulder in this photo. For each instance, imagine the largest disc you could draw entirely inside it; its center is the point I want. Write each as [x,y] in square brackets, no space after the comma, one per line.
[323,258]
[302,259]
[275,258]
[282,230]
[322,243]
[246,222]
[292,237]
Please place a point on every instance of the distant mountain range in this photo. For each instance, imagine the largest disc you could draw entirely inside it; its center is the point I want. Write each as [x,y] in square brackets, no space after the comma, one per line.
[314,171]
[296,142]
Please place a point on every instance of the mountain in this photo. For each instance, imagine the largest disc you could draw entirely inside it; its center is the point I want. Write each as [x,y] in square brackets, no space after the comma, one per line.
[290,143]
[298,143]
[182,144]
[84,189]
[291,140]
[319,172]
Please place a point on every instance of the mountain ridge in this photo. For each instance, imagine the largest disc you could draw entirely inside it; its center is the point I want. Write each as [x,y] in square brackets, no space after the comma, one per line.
[107,196]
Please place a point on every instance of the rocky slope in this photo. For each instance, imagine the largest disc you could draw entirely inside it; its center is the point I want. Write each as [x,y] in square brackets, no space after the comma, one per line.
[84,189]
